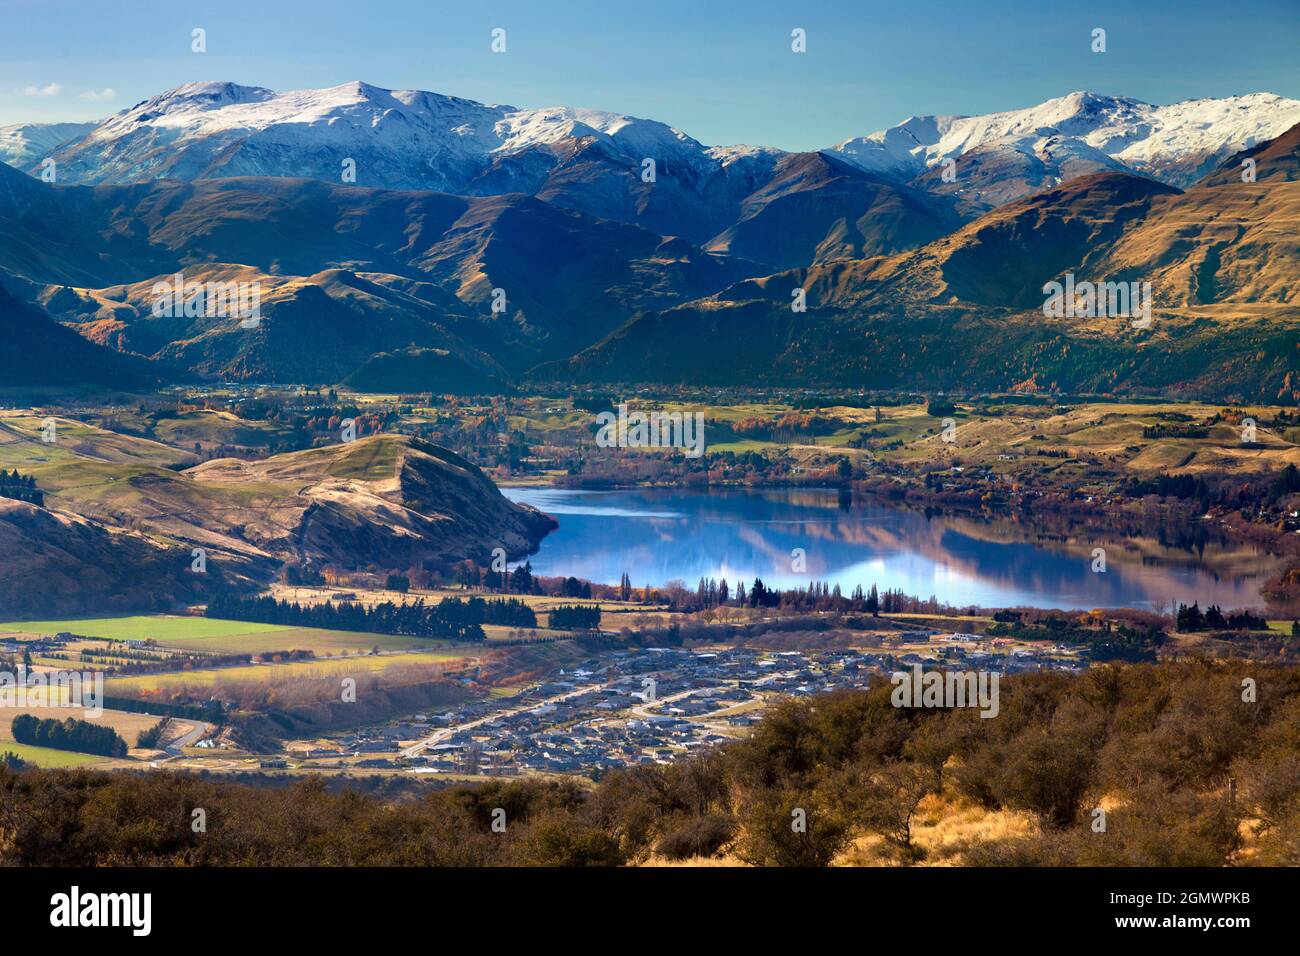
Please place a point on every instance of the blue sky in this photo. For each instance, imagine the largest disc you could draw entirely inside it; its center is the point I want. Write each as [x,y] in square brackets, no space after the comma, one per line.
[720,70]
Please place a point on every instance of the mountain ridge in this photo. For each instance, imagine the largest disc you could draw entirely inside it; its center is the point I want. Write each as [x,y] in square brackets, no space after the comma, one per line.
[411,280]
[1219,258]
[587,159]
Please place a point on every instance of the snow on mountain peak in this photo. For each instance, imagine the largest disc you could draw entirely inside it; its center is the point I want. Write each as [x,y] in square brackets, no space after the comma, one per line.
[202,96]
[23,144]
[1177,142]
[423,140]
[223,128]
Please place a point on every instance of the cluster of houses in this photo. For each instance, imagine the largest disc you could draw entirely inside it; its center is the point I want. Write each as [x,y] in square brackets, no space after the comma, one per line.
[645,706]
[44,644]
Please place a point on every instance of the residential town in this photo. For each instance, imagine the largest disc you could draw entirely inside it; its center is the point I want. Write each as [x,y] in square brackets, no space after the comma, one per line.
[644,706]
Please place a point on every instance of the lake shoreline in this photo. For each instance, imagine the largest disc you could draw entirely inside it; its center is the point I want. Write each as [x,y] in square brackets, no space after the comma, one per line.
[962,555]
[1281,593]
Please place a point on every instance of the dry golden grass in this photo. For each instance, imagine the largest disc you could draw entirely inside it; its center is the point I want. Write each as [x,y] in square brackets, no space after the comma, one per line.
[725,860]
[943,828]
[946,828]
[125,724]
[394,668]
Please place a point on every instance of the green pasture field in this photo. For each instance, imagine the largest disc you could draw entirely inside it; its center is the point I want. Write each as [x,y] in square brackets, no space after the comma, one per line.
[164,628]
[49,758]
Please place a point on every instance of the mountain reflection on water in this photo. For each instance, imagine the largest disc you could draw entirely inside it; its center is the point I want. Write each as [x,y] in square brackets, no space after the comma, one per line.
[658,536]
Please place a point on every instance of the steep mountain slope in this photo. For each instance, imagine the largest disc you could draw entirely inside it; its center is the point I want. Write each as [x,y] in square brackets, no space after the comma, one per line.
[966,309]
[1239,356]
[1003,258]
[1227,240]
[430,262]
[1275,161]
[817,208]
[38,351]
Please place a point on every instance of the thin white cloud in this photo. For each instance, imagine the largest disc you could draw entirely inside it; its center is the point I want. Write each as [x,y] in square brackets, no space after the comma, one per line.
[52,89]
[107,93]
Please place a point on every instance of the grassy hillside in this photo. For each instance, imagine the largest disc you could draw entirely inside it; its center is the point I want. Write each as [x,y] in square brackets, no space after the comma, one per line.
[384,500]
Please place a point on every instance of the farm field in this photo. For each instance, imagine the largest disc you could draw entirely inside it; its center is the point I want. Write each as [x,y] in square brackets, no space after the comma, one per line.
[345,666]
[349,651]
[279,637]
[77,443]
[164,628]
[126,725]
[501,632]
[216,636]
[49,758]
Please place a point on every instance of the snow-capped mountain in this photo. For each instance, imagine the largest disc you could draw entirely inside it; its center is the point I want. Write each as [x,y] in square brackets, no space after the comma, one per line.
[591,161]
[1072,135]
[398,138]
[587,160]
[26,143]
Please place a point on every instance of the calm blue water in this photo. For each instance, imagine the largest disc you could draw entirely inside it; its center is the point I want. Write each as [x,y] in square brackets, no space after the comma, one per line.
[657,536]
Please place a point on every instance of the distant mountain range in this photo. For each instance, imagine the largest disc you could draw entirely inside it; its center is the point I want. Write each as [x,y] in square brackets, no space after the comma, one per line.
[1003,156]
[579,159]
[345,272]
[965,311]
[922,249]
[26,144]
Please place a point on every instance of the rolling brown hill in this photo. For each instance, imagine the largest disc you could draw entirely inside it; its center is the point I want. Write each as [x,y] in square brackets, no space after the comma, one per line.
[120,507]
[315,329]
[387,501]
[53,563]
[91,255]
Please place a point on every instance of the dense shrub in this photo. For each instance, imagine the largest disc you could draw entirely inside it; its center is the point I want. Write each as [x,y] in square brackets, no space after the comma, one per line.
[697,836]
[1185,771]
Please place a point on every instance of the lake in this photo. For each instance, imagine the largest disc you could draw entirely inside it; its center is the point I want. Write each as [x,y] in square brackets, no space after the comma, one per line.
[996,561]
